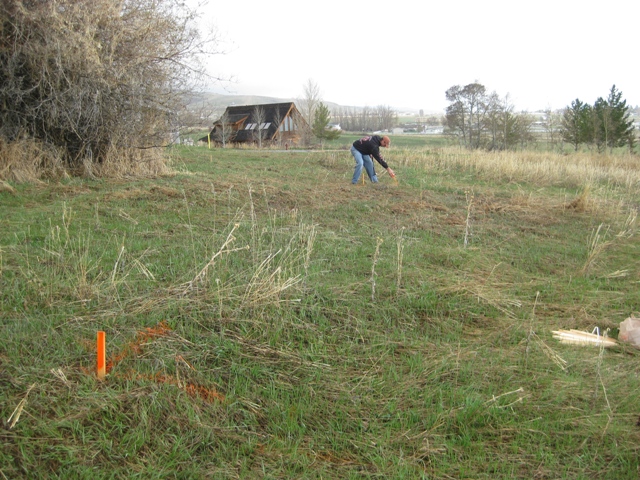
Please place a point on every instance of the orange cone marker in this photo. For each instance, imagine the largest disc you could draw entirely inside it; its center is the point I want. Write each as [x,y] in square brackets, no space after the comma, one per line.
[102,355]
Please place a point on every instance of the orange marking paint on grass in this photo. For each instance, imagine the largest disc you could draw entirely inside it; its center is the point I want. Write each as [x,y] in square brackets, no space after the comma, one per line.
[207,394]
[102,355]
[135,346]
[194,390]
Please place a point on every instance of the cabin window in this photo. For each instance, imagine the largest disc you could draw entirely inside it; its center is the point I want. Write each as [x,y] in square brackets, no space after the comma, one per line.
[288,125]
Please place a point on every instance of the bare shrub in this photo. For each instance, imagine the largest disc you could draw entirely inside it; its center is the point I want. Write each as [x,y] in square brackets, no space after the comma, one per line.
[94,77]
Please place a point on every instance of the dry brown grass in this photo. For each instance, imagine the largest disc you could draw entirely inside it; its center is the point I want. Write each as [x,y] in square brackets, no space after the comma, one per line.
[28,161]
[24,161]
[542,168]
[149,163]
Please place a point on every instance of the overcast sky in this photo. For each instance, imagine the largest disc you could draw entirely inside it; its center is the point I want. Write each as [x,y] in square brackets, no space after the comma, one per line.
[406,54]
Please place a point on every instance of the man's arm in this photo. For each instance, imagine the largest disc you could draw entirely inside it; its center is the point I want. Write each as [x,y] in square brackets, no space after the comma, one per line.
[380,160]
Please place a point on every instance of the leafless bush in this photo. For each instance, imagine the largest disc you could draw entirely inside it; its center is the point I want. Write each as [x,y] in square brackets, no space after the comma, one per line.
[90,77]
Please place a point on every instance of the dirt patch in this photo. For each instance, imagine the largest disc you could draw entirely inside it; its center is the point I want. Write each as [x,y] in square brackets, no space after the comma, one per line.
[166,192]
[154,193]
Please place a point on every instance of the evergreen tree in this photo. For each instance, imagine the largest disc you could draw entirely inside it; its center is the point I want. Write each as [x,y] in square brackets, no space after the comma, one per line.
[621,124]
[576,124]
[601,124]
[322,117]
[612,123]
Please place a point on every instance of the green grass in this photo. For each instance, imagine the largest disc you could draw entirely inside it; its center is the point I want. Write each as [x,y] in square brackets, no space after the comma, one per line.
[316,329]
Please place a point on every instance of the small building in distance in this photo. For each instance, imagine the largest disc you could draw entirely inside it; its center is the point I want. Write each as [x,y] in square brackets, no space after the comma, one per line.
[264,124]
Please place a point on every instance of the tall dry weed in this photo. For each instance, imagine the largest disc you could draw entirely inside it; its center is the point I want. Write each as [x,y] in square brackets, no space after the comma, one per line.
[601,241]
[132,162]
[28,160]
[540,168]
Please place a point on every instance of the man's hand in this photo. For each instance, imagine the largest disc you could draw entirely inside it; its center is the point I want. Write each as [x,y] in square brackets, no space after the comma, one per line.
[391,172]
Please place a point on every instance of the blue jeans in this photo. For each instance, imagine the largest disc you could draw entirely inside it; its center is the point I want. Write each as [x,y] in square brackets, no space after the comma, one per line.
[363,160]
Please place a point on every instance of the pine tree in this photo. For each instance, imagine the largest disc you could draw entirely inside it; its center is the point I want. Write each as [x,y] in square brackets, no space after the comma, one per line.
[322,117]
[620,117]
[576,124]
[602,124]
[612,123]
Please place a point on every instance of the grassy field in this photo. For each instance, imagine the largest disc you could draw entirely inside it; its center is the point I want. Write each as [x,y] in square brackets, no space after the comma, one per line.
[267,319]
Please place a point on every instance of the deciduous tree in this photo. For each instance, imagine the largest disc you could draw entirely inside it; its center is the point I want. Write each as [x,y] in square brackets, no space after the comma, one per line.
[223,130]
[552,123]
[308,104]
[310,100]
[386,117]
[466,113]
[258,126]
[506,128]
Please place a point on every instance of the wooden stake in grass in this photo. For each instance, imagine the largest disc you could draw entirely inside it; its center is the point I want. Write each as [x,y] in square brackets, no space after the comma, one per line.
[102,355]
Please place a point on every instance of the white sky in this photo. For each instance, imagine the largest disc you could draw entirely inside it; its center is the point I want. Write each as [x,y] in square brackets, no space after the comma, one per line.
[406,54]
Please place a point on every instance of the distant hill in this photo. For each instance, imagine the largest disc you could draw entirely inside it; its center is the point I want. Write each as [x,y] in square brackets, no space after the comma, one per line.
[224,101]
[219,102]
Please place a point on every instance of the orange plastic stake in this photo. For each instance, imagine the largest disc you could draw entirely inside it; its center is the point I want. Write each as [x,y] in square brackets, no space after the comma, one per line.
[102,355]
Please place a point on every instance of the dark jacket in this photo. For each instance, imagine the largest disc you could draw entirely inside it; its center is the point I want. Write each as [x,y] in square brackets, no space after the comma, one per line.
[371,146]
